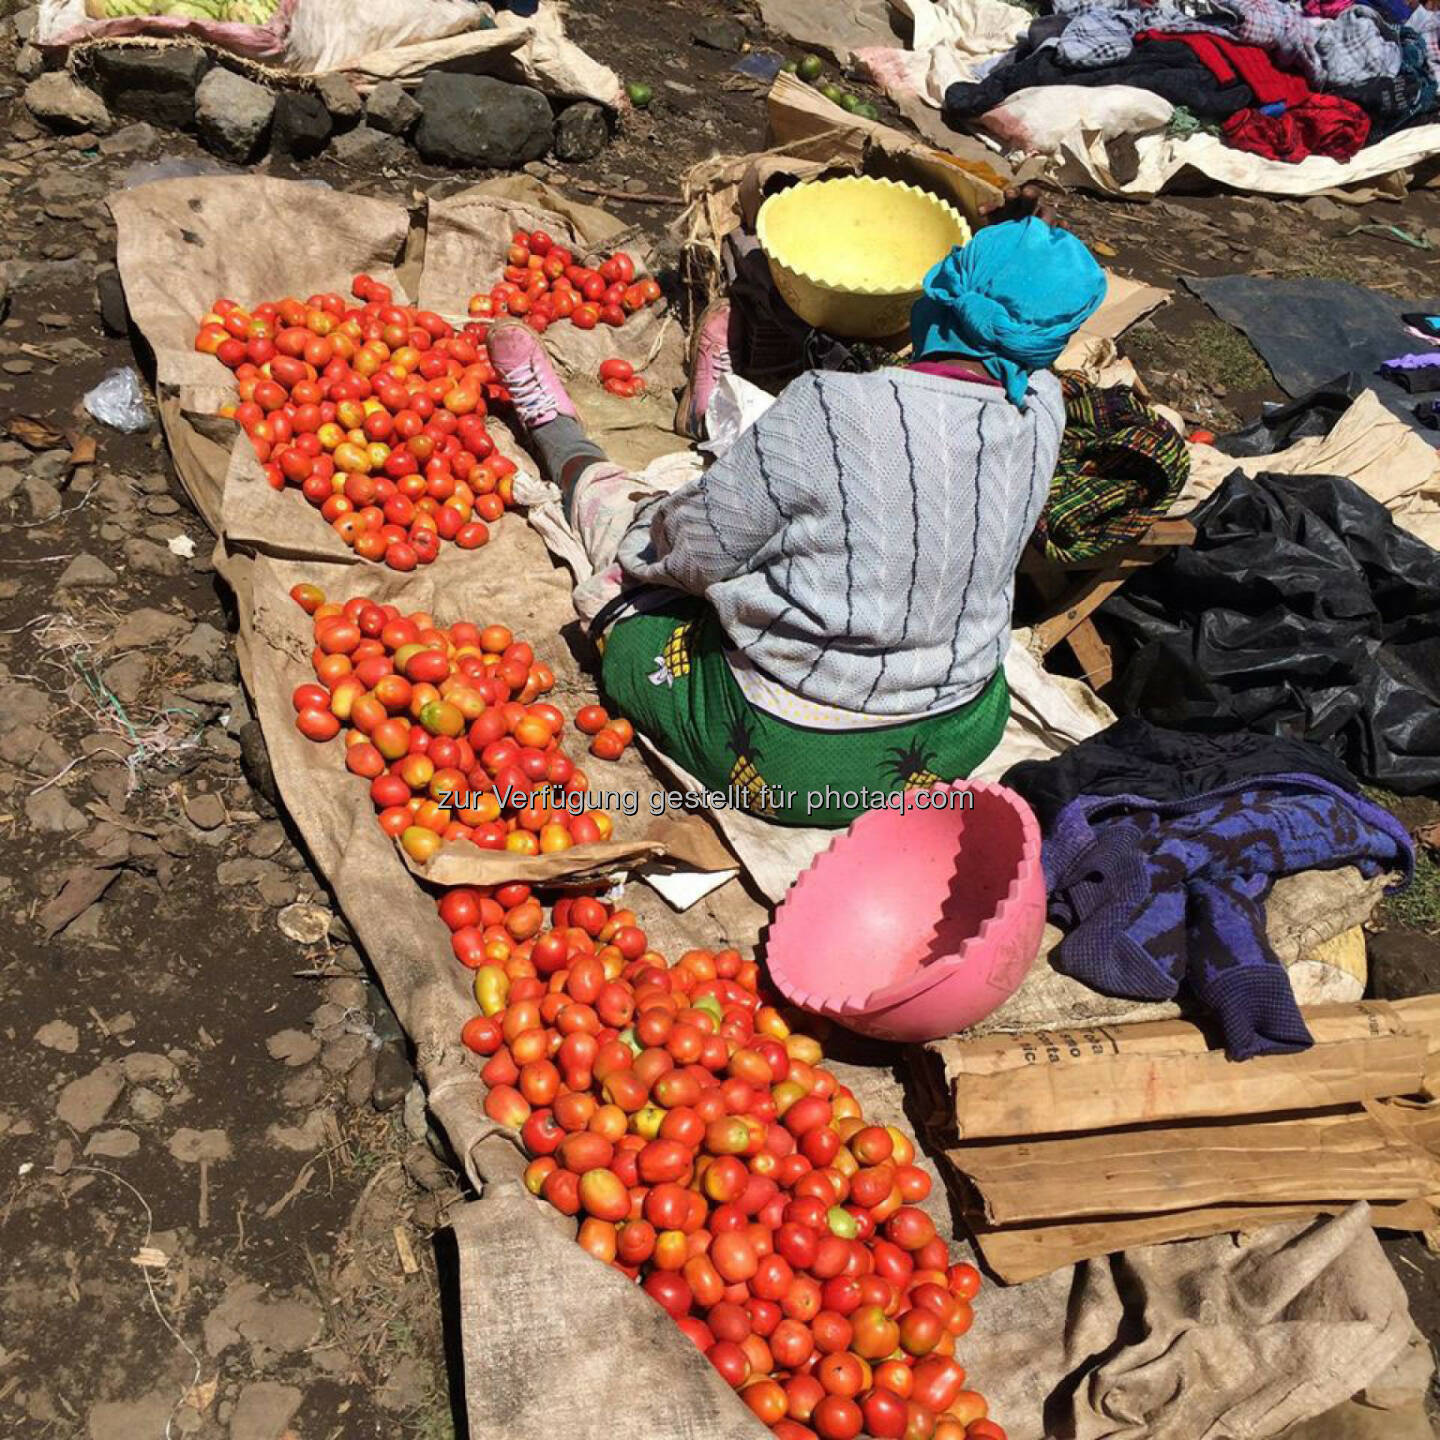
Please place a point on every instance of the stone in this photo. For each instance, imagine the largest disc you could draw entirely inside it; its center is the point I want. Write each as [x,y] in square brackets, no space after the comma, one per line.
[86,570]
[340,98]
[146,1067]
[343,1053]
[270,1326]
[60,102]
[392,108]
[126,1419]
[50,811]
[393,1079]
[58,187]
[147,626]
[50,464]
[301,125]
[303,1138]
[425,1169]
[42,497]
[582,131]
[192,1146]
[478,121]
[157,85]
[113,1144]
[85,1102]
[29,62]
[263,1410]
[406,1387]
[305,924]
[348,994]
[131,140]
[22,704]
[58,1035]
[719,34]
[33,749]
[128,677]
[146,1105]
[148,558]
[1320,207]
[304,1088]
[266,840]
[366,148]
[233,115]
[360,1082]
[294,1047]
[204,643]
[206,811]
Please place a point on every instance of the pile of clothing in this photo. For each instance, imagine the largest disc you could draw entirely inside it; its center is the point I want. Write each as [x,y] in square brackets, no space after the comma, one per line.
[1285,79]
[1160,848]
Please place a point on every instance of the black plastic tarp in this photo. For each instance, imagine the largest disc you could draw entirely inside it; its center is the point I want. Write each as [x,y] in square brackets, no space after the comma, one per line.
[1317,334]
[1301,610]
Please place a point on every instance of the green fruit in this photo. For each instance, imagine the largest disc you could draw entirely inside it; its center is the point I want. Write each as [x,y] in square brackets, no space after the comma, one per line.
[790,67]
[810,68]
[850,103]
[832,93]
[640,94]
[867,111]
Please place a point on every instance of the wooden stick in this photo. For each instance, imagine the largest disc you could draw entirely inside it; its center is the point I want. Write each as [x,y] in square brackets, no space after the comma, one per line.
[644,198]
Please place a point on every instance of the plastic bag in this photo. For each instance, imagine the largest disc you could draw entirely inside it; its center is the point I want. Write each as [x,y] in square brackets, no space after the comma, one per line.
[735,407]
[119,402]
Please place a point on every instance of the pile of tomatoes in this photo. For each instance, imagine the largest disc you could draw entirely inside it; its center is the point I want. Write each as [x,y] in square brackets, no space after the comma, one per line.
[608,738]
[619,378]
[713,1159]
[543,285]
[443,723]
[376,413]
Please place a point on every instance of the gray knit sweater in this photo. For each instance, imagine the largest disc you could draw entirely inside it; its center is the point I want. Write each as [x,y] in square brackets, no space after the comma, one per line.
[859,542]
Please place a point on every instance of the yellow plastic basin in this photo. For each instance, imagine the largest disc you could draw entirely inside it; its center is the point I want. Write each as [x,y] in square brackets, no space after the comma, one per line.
[850,255]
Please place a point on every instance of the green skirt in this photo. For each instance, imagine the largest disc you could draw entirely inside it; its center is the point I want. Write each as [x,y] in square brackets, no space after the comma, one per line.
[665,670]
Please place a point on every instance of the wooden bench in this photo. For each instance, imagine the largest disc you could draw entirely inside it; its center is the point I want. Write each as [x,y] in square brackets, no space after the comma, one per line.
[1071,591]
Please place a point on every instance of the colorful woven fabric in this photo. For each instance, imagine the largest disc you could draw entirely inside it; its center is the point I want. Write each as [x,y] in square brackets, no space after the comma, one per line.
[666,669]
[1121,467]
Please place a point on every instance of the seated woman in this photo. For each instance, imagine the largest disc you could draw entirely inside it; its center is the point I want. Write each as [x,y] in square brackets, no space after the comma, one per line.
[827,608]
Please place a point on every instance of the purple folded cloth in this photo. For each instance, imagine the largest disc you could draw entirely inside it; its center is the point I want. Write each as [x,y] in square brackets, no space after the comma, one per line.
[1422,361]
[1415,373]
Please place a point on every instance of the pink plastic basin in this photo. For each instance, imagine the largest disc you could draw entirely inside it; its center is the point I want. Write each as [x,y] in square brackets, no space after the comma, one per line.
[917,923]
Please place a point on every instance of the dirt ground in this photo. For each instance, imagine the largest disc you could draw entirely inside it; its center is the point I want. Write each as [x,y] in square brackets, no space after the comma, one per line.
[215,1172]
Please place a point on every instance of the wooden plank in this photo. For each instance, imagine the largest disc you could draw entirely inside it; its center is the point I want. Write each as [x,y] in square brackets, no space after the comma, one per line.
[1026,1252]
[1075,1080]
[1097,662]
[1339,1156]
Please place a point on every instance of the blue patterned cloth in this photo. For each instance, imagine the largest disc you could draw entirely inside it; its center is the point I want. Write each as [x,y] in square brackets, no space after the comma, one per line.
[1157,896]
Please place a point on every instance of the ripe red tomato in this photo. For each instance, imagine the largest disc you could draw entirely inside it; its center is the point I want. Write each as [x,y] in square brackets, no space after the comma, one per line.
[837,1417]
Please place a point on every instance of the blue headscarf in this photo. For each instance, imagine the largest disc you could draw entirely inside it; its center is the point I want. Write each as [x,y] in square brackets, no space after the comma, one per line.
[1011,299]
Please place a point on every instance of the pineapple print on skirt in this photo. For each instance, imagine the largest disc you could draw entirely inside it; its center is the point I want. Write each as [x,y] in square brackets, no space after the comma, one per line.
[665,669]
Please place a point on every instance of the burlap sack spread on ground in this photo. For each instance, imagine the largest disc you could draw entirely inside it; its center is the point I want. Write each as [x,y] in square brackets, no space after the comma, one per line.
[381,40]
[1057,1356]
[598,1355]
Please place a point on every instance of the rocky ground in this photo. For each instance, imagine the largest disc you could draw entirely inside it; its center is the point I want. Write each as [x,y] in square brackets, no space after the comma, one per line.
[217,1177]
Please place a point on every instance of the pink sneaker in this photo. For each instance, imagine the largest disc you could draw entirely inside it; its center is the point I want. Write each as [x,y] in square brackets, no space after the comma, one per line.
[525,370]
[709,364]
